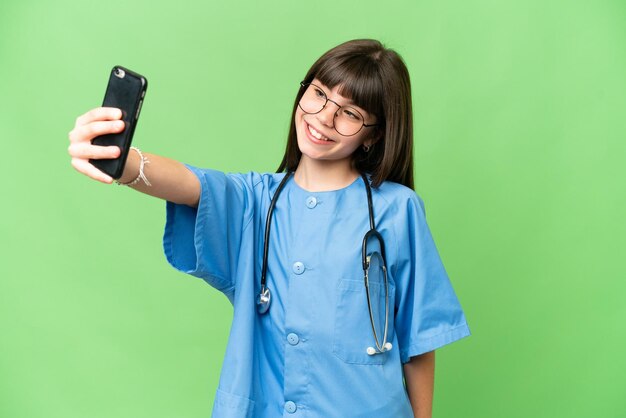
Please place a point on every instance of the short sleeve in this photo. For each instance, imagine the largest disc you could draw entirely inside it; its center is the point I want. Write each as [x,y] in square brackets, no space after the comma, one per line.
[205,241]
[428,312]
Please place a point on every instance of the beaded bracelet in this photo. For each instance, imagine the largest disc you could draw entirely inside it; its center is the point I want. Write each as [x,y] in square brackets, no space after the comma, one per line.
[141,176]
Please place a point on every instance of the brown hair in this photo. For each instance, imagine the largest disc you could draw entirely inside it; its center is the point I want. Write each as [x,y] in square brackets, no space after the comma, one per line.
[376,79]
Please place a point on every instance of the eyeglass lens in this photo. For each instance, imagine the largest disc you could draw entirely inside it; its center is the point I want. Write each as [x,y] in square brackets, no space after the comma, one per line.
[347,120]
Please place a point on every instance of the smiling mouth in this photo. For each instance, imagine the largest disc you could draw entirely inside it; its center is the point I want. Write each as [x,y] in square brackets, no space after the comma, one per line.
[317,134]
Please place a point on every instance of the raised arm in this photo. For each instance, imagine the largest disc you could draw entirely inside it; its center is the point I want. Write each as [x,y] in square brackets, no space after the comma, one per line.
[170,180]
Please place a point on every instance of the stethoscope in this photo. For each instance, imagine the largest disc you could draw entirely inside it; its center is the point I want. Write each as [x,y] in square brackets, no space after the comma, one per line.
[265,296]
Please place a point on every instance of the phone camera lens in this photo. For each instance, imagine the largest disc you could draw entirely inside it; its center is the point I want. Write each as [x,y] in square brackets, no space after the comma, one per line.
[119,73]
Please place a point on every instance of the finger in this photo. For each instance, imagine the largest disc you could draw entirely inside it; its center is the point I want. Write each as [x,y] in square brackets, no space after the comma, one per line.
[86,151]
[91,130]
[99,113]
[83,166]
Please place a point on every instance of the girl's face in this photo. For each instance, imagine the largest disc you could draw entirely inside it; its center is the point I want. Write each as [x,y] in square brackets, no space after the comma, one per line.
[317,137]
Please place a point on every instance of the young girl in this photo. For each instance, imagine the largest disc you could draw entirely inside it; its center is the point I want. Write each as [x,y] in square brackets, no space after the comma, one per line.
[339,295]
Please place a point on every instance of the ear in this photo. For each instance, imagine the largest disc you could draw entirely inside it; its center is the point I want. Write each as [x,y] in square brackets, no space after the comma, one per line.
[371,140]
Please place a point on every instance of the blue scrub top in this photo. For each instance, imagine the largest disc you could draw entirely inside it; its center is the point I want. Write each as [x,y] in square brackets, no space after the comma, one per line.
[307,356]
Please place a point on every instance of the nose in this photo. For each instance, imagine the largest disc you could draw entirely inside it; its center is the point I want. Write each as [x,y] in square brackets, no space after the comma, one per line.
[327,114]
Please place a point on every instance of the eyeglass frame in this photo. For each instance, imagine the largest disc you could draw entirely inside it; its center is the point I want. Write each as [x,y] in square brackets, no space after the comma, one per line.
[303,84]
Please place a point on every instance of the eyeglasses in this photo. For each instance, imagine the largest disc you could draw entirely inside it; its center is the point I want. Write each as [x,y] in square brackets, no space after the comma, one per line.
[347,121]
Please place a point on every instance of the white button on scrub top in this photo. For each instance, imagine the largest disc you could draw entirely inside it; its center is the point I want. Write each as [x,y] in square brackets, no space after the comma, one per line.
[298,267]
[311,202]
[293,339]
[290,407]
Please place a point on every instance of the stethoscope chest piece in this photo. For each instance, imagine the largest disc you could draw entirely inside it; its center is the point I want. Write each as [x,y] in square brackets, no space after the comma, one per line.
[263,300]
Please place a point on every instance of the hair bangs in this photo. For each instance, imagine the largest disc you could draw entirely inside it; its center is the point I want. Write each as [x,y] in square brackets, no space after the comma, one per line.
[358,80]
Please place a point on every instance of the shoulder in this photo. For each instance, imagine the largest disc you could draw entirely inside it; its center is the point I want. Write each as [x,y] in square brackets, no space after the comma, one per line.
[400,196]
[257,182]
[250,181]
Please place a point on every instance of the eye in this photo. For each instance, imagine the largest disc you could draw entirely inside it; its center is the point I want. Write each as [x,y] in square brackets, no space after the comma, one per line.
[351,113]
[319,93]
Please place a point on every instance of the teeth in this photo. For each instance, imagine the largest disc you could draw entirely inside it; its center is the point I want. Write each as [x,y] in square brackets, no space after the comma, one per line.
[317,134]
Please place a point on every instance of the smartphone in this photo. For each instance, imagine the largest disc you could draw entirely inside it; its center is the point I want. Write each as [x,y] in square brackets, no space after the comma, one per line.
[126,91]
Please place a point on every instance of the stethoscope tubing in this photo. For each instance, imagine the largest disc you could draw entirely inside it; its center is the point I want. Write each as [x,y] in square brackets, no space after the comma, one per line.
[268,224]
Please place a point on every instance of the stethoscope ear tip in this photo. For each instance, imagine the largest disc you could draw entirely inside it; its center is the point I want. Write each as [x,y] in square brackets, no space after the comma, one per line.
[386,347]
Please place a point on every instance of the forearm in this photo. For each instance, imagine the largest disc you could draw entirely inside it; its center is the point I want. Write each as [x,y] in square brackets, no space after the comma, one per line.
[169,179]
[419,375]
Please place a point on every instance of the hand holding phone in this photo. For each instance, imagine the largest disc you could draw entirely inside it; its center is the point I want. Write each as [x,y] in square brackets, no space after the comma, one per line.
[125,91]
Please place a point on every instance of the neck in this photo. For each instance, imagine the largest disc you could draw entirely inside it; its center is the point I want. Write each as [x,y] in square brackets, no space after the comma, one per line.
[322,176]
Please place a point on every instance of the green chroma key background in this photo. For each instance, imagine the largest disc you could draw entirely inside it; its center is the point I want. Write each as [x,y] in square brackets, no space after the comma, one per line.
[520,131]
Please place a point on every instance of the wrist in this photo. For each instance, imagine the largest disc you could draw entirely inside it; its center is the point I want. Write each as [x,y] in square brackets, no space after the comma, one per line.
[134,168]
